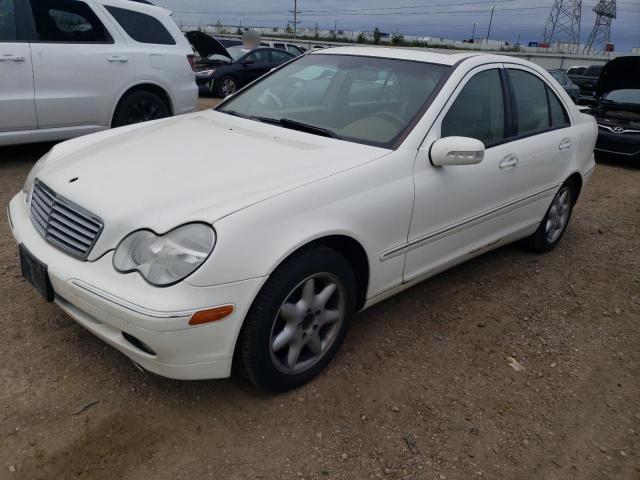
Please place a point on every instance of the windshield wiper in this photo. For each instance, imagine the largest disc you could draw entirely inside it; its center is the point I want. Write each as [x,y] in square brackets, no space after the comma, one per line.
[305,127]
[234,113]
[287,123]
[295,125]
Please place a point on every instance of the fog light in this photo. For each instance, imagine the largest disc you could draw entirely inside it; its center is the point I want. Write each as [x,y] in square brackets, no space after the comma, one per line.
[211,315]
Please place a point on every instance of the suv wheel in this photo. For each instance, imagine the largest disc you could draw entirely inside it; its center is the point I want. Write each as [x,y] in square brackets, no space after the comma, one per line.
[140,106]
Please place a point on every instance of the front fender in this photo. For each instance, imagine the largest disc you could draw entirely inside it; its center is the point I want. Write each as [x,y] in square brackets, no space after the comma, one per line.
[371,203]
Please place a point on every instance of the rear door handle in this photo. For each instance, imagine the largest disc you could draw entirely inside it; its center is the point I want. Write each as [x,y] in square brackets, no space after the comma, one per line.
[117,58]
[565,144]
[12,58]
[509,161]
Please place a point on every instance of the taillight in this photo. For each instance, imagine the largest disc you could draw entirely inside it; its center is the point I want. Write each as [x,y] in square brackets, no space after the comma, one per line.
[192,61]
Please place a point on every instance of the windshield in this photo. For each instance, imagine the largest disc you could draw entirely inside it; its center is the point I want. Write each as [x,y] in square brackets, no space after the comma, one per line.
[218,58]
[627,95]
[362,99]
[237,51]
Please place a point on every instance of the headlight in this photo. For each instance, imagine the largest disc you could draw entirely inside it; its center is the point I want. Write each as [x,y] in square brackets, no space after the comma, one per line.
[205,73]
[165,259]
[35,170]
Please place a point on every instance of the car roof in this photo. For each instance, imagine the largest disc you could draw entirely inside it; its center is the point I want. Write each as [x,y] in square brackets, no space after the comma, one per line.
[137,5]
[418,55]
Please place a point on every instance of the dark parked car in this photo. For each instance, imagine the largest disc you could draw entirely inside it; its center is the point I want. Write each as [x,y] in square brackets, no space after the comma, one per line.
[222,71]
[572,89]
[587,82]
[576,70]
[617,108]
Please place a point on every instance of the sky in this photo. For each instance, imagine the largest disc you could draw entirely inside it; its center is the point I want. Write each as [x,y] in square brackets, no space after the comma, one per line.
[453,19]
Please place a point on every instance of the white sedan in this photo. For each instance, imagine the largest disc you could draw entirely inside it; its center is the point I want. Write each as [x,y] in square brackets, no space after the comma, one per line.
[251,234]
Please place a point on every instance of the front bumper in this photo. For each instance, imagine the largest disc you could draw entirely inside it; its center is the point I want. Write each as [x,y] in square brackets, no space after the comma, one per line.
[622,144]
[110,304]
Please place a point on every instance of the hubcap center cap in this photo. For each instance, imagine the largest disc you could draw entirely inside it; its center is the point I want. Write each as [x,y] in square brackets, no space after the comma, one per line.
[308,321]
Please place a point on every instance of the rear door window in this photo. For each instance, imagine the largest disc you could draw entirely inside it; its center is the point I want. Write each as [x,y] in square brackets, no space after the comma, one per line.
[279,46]
[141,27]
[67,21]
[478,111]
[8,32]
[532,107]
[537,107]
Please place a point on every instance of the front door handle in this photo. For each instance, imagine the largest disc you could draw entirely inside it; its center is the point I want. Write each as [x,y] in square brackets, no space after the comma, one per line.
[117,58]
[12,58]
[565,144]
[509,161]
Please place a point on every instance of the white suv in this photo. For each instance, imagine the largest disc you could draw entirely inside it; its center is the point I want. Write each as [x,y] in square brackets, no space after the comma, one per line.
[72,67]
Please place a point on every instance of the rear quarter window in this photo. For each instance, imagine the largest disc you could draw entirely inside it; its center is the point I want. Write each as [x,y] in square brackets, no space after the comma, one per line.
[141,27]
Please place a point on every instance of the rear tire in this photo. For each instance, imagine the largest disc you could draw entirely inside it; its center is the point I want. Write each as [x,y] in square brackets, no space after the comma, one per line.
[140,106]
[555,221]
[298,320]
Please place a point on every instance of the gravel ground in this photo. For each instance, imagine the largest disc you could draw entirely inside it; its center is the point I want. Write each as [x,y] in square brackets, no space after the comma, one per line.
[423,388]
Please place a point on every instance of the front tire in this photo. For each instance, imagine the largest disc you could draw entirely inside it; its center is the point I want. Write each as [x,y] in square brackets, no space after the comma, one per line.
[227,86]
[298,320]
[140,106]
[556,220]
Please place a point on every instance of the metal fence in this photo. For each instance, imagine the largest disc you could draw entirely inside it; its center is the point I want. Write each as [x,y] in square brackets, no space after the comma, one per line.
[545,59]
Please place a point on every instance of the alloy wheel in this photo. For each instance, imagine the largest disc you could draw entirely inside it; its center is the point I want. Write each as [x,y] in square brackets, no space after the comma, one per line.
[307,323]
[228,86]
[558,215]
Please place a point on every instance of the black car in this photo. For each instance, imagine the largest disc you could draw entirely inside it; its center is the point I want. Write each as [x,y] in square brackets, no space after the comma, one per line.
[221,71]
[571,88]
[617,108]
[586,81]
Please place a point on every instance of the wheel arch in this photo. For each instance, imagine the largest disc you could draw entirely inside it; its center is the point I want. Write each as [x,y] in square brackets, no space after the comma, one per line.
[575,179]
[159,90]
[354,253]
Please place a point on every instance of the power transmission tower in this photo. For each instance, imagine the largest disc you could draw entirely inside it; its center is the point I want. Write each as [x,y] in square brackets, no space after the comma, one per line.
[563,24]
[601,34]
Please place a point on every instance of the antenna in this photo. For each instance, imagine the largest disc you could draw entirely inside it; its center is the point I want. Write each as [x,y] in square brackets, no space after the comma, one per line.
[601,34]
[563,24]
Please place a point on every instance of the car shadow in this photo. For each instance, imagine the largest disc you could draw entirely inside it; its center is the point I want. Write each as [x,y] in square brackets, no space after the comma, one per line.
[30,152]
[618,161]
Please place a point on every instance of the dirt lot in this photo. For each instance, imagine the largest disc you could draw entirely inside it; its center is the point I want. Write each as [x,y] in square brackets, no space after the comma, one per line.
[422,388]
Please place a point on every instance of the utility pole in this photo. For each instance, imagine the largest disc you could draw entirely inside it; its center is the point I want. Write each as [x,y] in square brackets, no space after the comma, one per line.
[295,22]
[335,28]
[518,41]
[473,35]
[490,20]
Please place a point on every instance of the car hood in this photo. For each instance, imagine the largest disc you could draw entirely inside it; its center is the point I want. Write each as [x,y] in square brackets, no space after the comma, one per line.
[196,167]
[618,74]
[206,45]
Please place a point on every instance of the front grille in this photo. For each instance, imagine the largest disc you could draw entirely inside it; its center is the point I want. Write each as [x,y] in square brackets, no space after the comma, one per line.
[62,222]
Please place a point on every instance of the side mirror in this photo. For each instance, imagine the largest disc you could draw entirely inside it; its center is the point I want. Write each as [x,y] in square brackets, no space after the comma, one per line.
[456,151]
